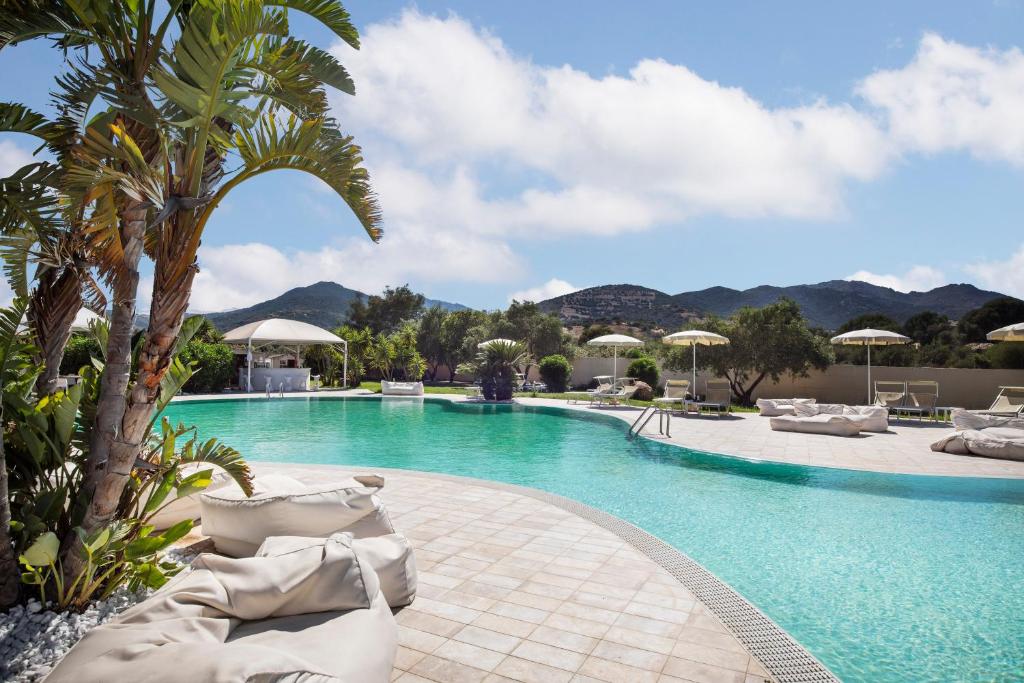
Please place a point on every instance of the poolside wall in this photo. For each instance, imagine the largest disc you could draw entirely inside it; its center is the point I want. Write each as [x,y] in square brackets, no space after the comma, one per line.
[965,388]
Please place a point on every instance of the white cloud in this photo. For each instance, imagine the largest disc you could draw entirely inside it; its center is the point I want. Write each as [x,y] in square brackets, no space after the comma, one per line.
[12,158]
[917,279]
[954,97]
[1006,276]
[550,289]
[239,275]
[447,102]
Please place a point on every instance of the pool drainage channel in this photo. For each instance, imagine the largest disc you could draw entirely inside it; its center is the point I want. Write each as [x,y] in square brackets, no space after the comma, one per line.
[781,655]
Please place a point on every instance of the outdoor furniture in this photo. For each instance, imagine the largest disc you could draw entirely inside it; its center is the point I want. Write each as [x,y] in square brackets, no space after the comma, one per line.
[282,506]
[890,394]
[774,407]
[401,388]
[1009,401]
[621,391]
[921,399]
[604,384]
[718,397]
[303,609]
[677,391]
[1006,443]
[824,423]
[867,418]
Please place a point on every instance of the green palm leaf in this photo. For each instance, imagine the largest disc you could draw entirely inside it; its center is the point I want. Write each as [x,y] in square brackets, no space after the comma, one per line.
[330,13]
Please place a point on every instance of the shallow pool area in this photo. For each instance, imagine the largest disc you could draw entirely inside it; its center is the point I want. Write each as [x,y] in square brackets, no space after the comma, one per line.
[883,577]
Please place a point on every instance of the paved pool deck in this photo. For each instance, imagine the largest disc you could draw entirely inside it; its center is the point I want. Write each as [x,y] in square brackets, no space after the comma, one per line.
[904,449]
[515,587]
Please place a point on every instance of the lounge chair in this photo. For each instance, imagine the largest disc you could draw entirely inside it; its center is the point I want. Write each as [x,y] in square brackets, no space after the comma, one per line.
[620,391]
[677,392]
[890,395]
[718,397]
[991,436]
[1009,403]
[604,384]
[921,399]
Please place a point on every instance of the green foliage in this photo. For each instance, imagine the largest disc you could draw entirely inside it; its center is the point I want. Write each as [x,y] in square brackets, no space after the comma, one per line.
[593,330]
[461,331]
[429,339]
[496,366]
[326,361]
[897,355]
[386,314]
[765,342]
[925,327]
[79,352]
[215,365]
[993,315]
[644,369]
[555,370]
[1008,355]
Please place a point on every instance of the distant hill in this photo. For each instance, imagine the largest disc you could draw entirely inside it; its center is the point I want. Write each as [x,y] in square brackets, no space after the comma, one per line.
[324,304]
[825,304]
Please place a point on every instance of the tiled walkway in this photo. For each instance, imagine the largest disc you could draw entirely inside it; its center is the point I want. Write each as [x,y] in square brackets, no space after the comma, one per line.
[515,589]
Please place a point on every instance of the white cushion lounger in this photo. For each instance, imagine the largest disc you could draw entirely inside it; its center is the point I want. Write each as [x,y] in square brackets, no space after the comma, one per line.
[774,407]
[832,425]
[282,506]
[992,442]
[310,612]
[870,418]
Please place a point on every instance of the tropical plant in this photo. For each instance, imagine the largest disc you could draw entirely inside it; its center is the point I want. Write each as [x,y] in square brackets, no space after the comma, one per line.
[555,370]
[429,338]
[191,100]
[497,365]
[381,356]
[215,365]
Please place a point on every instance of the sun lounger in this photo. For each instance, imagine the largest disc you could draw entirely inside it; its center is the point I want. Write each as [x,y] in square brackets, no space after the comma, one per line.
[1005,442]
[774,407]
[677,391]
[604,384]
[921,400]
[890,394]
[401,388]
[718,397]
[868,418]
[1009,402]
[621,392]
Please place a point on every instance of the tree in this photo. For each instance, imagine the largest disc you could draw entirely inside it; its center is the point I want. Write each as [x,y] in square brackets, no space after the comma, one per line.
[555,371]
[429,340]
[458,340]
[386,314]
[187,90]
[593,330]
[763,342]
[924,327]
[895,355]
[644,369]
[993,315]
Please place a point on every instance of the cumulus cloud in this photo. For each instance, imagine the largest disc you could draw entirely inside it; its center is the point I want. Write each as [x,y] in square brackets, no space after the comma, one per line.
[12,158]
[550,289]
[954,97]
[602,155]
[1001,276]
[917,279]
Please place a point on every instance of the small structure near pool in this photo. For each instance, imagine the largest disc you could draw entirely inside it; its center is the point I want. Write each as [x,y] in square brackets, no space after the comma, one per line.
[282,372]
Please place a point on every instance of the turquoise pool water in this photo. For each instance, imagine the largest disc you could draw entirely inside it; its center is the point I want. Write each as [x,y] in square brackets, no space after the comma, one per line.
[882,577]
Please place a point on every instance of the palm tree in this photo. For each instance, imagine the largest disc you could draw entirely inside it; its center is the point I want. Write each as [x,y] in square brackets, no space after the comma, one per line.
[186,93]
[500,361]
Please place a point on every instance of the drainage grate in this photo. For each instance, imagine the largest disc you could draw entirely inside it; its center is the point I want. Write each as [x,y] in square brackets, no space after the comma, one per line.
[785,659]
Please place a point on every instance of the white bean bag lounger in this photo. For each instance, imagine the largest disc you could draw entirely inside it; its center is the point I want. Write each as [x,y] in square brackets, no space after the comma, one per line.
[775,407]
[282,506]
[1006,443]
[312,614]
[832,425]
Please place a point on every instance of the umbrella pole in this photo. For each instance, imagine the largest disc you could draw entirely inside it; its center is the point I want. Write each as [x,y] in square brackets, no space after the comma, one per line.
[693,389]
[615,364]
[248,369]
[869,374]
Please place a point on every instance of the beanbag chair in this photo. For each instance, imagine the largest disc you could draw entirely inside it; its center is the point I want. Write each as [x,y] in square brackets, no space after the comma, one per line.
[833,425]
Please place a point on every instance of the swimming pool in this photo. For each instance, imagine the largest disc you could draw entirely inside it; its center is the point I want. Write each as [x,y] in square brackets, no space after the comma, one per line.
[883,577]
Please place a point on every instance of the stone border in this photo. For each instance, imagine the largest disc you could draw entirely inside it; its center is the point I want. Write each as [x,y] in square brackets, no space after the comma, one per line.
[784,658]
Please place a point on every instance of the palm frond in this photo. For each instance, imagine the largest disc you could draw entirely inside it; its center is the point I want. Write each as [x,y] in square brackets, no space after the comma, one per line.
[330,13]
[23,20]
[17,118]
[15,248]
[27,199]
[224,457]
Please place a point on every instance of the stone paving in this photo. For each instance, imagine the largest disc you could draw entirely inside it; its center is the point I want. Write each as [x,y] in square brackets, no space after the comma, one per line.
[514,589]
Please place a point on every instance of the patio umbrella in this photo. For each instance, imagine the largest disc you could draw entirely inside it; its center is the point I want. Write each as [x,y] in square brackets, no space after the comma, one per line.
[1008,333]
[694,338]
[868,337]
[615,341]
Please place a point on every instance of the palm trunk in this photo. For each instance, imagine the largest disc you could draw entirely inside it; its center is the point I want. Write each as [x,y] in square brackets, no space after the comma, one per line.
[55,302]
[110,408]
[10,574]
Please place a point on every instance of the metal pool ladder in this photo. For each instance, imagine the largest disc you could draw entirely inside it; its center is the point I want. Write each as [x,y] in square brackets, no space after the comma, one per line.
[664,421]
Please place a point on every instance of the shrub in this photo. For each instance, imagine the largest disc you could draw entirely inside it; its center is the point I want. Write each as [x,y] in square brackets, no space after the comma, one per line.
[78,353]
[215,364]
[645,370]
[555,371]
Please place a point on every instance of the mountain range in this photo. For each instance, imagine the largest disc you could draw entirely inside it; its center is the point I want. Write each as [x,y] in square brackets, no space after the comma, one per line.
[324,304]
[825,304]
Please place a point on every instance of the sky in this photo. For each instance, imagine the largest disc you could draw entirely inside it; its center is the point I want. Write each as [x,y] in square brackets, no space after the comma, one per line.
[524,150]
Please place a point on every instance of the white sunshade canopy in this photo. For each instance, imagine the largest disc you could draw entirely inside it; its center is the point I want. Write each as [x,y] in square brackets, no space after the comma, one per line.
[693,337]
[1008,333]
[615,340]
[869,337]
[281,331]
[492,341]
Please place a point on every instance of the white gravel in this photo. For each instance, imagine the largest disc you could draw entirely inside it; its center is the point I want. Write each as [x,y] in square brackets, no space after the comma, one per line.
[34,639]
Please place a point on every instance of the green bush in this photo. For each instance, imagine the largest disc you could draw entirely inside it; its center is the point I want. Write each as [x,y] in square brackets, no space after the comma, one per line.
[78,352]
[555,371]
[645,370]
[215,366]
